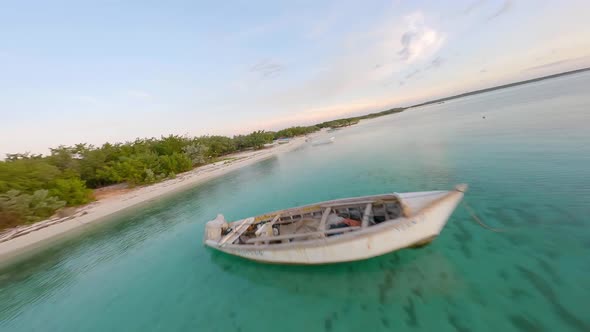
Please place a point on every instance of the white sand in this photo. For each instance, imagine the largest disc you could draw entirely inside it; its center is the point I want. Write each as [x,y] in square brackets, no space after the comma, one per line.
[107,207]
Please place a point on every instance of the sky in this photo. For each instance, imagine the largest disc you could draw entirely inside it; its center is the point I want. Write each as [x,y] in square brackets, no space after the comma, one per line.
[97,71]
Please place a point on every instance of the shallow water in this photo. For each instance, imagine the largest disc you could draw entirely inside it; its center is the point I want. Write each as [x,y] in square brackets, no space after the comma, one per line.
[527,165]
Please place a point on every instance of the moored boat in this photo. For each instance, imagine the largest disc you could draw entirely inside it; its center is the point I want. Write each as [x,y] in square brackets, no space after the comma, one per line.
[337,231]
[283,140]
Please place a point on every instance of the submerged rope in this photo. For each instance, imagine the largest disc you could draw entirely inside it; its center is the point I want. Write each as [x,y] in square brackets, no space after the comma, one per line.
[474,216]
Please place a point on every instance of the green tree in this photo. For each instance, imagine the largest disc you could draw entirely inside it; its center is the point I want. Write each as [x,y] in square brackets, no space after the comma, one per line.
[65,158]
[17,207]
[196,152]
[217,145]
[26,175]
[73,191]
[168,145]
[92,161]
[295,131]
[256,139]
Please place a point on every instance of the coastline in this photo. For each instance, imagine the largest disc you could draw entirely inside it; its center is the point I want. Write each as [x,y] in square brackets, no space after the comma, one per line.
[107,208]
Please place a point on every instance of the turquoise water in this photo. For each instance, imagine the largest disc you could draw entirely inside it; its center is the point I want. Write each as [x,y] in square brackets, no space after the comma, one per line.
[527,164]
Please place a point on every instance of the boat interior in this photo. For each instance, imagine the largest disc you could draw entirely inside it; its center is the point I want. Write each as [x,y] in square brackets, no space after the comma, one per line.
[314,222]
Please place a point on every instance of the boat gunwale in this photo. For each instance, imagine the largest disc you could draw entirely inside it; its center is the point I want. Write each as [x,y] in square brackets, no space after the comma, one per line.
[320,205]
[397,196]
[336,238]
[386,225]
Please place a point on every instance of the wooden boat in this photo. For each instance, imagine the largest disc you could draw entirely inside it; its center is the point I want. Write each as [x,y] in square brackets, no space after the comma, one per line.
[337,231]
[283,140]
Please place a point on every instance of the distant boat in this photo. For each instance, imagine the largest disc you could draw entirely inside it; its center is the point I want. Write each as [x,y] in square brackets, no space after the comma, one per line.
[283,140]
[324,141]
[341,230]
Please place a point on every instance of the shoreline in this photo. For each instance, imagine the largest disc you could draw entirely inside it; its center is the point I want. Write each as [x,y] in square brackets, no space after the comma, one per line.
[107,208]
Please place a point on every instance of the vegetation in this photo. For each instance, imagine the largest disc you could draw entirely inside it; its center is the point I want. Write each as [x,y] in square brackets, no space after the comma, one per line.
[255,140]
[354,120]
[17,207]
[339,123]
[296,131]
[33,187]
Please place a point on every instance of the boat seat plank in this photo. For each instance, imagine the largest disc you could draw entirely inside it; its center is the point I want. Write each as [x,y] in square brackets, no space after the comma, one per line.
[325,215]
[275,219]
[292,236]
[345,204]
[239,230]
[366,215]
[377,200]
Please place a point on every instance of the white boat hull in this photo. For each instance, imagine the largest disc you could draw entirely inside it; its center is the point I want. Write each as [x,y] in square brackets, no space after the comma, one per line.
[432,212]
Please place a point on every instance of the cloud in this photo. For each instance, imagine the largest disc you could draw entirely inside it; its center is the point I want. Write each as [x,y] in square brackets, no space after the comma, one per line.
[474,5]
[502,10]
[419,40]
[436,63]
[413,73]
[365,63]
[267,68]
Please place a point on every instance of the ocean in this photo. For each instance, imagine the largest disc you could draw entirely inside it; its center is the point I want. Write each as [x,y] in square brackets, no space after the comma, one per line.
[524,151]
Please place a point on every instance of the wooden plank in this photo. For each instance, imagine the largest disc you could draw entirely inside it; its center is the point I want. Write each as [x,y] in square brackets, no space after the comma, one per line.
[361,202]
[325,215]
[293,236]
[239,230]
[275,219]
[272,222]
[347,204]
[366,215]
[289,221]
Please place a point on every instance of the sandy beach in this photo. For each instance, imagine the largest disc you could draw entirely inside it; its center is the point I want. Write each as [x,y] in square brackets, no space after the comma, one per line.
[22,242]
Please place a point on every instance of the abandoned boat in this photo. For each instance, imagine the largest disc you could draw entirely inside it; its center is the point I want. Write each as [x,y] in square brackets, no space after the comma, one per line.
[337,231]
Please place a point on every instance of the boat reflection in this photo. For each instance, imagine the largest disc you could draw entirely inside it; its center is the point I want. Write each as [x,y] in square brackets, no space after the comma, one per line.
[423,273]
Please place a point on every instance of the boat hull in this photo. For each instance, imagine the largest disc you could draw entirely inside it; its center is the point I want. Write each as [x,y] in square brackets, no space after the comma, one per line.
[419,229]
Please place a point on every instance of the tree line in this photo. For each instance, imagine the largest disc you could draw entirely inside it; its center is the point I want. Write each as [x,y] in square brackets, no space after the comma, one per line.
[344,122]
[33,187]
